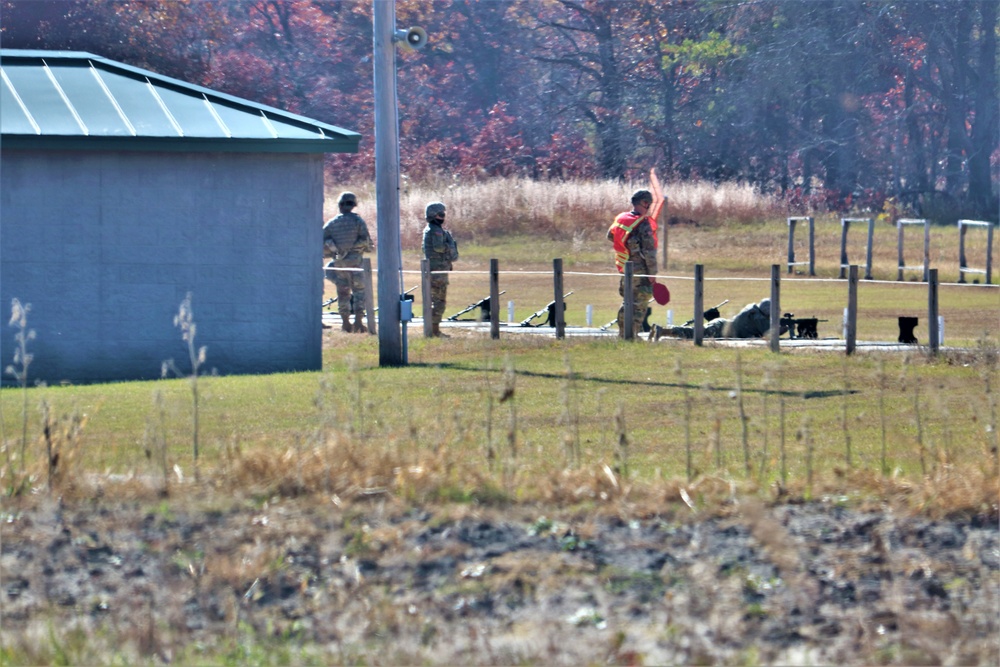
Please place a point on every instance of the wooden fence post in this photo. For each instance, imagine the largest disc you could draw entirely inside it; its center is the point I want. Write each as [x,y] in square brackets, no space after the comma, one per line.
[366,268]
[558,315]
[933,333]
[699,303]
[628,328]
[775,332]
[852,310]
[494,299]
[425,295]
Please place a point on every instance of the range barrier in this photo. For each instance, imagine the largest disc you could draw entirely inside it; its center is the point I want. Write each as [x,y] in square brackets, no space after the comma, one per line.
[845,224]
[902,266]
[901,224]
[812,244]
[963,266]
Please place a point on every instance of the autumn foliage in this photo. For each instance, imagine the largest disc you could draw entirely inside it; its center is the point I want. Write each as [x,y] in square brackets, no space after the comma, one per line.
[840,105]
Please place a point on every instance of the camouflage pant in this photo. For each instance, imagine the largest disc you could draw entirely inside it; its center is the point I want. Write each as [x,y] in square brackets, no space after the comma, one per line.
[439,296]
[350,284]
[717,328]
[642,295]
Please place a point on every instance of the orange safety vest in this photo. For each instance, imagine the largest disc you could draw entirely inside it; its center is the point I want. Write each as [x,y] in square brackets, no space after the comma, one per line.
[620,230]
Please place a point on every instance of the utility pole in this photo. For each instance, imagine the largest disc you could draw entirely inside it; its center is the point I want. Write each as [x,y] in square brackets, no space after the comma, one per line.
[390,264]
[391,350]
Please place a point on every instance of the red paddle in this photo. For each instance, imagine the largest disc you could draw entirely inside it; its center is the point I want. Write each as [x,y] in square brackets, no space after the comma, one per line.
[661,294]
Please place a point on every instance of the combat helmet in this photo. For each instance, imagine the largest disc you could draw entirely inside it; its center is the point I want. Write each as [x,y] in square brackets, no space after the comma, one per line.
[347,198]
[433,210]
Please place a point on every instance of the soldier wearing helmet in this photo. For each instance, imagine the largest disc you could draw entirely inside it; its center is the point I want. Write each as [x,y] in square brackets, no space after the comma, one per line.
[633,235]
[441,251]
[753,321]
[346,239]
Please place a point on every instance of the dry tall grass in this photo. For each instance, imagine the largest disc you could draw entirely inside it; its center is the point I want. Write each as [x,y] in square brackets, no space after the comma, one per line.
[560,209]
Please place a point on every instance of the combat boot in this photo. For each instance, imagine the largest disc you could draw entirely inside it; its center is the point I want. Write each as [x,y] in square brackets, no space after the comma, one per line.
[345,322]
[436,331]
[359,327]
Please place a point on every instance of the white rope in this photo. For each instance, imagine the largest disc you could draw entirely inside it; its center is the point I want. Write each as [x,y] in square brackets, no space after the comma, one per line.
[679,278]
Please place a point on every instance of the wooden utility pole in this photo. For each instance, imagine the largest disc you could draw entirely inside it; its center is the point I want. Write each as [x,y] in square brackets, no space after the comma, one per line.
[390,348]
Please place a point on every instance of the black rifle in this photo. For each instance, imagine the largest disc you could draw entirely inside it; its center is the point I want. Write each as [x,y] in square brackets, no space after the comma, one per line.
[799,327]
[329,302]
[549,310]
[709,315]
[646,328]
[482,304]
[406,296]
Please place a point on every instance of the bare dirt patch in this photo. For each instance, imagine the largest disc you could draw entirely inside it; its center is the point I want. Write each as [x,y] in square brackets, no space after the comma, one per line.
[375,583]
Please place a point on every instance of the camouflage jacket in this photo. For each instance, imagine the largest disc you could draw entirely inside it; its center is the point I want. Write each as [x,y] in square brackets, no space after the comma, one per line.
[346,234]
[439,247]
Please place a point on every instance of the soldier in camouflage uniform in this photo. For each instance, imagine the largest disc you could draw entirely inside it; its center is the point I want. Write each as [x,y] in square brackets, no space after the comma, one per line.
[346,239]
[440,250]
[634,240]
[752,322]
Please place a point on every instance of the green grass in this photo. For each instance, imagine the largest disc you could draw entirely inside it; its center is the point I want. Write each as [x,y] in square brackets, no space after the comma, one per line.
[448,400]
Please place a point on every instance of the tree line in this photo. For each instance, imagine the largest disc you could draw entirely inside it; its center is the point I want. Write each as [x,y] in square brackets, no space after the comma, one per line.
[839,104]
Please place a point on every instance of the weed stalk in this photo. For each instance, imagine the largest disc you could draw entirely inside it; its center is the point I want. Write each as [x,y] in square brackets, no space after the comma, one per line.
[883,381]
[184,320]
[679,372]
[22,360]
[744,419]
[621,441]
[844,422]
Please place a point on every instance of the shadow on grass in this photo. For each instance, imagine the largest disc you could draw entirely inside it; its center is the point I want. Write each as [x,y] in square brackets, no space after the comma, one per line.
[828,393]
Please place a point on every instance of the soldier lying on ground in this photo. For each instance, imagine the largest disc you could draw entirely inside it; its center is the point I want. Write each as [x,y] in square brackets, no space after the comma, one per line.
[752,322]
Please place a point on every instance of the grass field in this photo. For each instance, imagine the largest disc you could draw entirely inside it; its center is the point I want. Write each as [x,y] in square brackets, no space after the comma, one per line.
[653,412]
[531,500]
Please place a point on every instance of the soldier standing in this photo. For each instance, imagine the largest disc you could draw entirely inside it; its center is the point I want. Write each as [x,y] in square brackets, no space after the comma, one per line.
[441,251]
[634,239]
[346,239]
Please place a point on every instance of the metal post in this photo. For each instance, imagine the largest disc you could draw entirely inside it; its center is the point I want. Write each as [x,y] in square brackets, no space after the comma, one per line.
[628,314]
[791,243]
[852,309]
[845,224]
[927,249]
[989,255]
[962,262]
[699,303]
[425,296]
[494,299]
[557,285]
[899,245]
[812,246]
[932,312]
[868,250]
[775,332]
[387,183]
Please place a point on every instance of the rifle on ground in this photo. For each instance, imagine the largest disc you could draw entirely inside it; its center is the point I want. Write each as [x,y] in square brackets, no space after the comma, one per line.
[645,322]
[709,314]
[406,296]
[800,327]
[329,302]
[549,310]
[482,304]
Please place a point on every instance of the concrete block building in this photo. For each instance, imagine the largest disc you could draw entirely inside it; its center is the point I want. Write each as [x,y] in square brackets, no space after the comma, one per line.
[123,191]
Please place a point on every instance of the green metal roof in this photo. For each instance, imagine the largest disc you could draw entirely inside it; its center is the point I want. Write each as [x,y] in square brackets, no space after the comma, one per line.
[76,100]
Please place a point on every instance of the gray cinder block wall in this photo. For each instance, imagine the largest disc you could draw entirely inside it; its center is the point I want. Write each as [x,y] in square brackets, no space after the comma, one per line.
[104,246]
